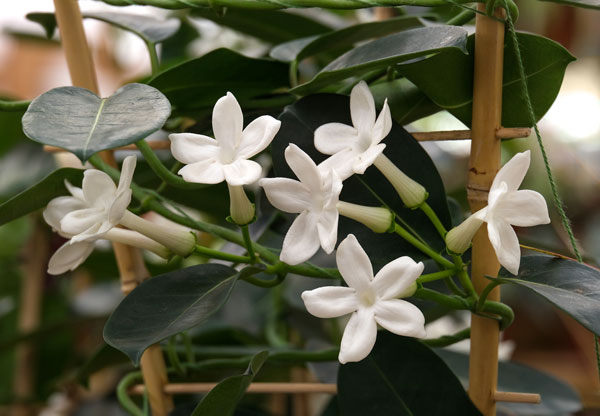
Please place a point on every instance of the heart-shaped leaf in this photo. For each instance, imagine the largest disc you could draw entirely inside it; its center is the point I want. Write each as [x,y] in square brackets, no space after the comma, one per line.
[401,376]
[166,305]
[588,4]
[298,123]
[570,286]
[447,79]
[224,397]
[78,120]
[386,51]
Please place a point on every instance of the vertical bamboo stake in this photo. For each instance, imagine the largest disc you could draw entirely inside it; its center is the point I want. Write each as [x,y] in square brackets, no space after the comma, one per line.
[131,268]
[484,163]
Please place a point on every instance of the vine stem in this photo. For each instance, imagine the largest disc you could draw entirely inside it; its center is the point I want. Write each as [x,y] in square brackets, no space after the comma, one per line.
[123,396]
[425,278]
[248,243]
[427,210]
[154,62]
[215,254]
[398,229]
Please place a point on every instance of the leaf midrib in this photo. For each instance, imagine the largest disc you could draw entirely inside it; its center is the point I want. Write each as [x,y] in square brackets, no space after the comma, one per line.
[86,145]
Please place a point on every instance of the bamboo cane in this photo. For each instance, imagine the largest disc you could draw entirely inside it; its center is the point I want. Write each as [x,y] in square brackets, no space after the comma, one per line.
[131,267]
[484,163]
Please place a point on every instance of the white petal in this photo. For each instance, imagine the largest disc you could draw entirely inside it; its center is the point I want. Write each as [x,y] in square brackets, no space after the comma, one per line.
[257,136]
[286,194]
[242,172]
[331,138]
[327,228]
[76,222]
[126,177]
[513,171]
[341,162]
[354,264]
[524,208]
[332,187]
[227,123]
[496,194]
[506,245]
[383,125]
[98,187]
[119,206]
[75,191]
[400,317]
[304,168]
[359,336]
[59,207]
[207,171]
[191,148]
[396,276]
[330,301]
[366,158]
[96,231]
[69,257]
[362,108]
[301,241]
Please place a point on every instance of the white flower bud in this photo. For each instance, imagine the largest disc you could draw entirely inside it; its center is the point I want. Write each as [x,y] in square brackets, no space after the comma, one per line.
[240,207]
[412,193]
[458,239]
[378,219]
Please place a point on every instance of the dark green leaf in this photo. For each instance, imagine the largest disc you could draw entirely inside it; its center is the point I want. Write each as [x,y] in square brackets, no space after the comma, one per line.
[572,287]
[199,83]
[224,397]
[78,120]
[46,20]
[386,51]
[298,123]
[558,398]
[447,79]
[39,194]
[588,4]
[299,49]
[401,376]
[13,178]
[274,26]
[407,103]
[166,305]
[10,126]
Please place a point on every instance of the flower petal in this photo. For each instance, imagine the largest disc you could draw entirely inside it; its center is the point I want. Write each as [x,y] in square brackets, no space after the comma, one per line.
[76,222]
[242,172]
[127,170]
[304,168]
[513,172]
[59,207]
[75,191]
[119,206]
[506,245]
[359,336]
[395,277]
[191,148]
[330,301]
[365,159]
[383,125]
[286,194]
[327,228]
[69,257]
[227,123]
[207,171]
[524,208]
[354,264]
[331,138]
[301,241]
[400,317]
[341,162]
[362,108]
[98,187]
[257,136]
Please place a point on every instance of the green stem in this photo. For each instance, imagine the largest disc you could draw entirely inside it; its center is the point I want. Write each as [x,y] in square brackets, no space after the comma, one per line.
[446,340]
[427,210]
[462,18]
[454,288]
[274,326]
[14,105]
[452,302]
[463,276]
[189,348]
[123,396]
[423,247]
[486,291]
[154,64]
[248,243]
[264,283]
[436,276]
[506,314]
[216,254]
[173,357]
[294,73]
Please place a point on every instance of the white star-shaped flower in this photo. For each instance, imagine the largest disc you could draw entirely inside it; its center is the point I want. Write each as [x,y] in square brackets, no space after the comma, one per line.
[226,157]
[355,148]
[370,300]
[314,197]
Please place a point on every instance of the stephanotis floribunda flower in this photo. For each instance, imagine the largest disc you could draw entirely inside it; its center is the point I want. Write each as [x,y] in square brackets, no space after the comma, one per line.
[355,148]
[370,300]
[507,206]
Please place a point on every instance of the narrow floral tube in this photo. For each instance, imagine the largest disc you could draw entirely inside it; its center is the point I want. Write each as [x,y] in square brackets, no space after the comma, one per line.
[135,239]
[378,219]
[411,192]
[240,207]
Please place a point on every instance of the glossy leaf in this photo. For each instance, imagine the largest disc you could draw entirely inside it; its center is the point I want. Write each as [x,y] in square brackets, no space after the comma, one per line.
[570,286]
[40,194]
[224,397]
[558,398]
[401,376]
[199,83]
[588,4]
[407,103]
[299,49]
[447,79]
[168,304]
[386,51]
[298,123]
[78,120]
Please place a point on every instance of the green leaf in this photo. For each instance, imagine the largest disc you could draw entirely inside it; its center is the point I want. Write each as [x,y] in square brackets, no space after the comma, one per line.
[13,178]
[570,286]
[588,4]
[46,20]
[386,51]
[78,120]
[298,123]
[299,49]
[224,397]
[40,194]
[10,126]
[166,305]
[199,83]
[447,79]
[401,376]
[558,398]
[273,26]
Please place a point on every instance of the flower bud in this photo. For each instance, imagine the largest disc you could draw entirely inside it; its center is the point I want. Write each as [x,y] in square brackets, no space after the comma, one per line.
[409,290]
[240,207]
[378,219]
[412,193]
[458,239]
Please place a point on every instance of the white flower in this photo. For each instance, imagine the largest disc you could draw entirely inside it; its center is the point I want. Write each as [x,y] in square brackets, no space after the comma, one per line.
[315,198]
[370,300]
[212,161]
[507,206]
[355,148]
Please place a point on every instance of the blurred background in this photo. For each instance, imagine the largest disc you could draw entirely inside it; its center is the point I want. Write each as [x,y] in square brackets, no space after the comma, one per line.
[50,326]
